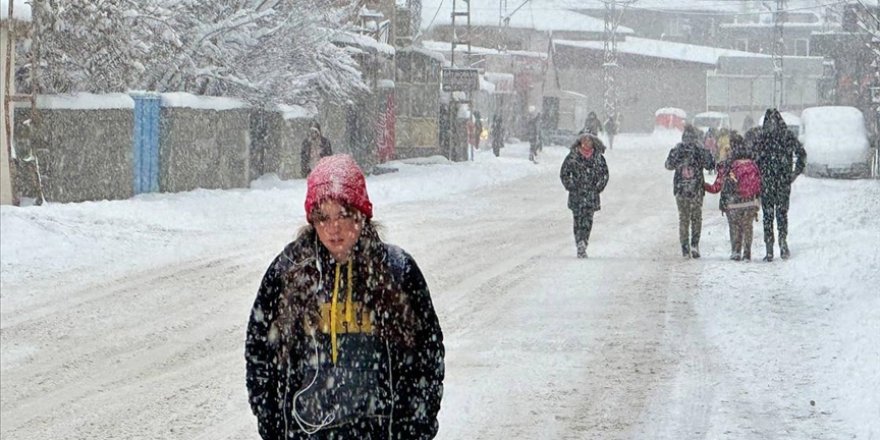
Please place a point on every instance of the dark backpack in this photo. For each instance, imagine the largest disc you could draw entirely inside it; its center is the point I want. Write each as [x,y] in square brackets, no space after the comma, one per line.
[690,178]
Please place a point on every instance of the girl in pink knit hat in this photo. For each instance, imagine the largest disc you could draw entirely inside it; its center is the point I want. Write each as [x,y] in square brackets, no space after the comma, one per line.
[343,340]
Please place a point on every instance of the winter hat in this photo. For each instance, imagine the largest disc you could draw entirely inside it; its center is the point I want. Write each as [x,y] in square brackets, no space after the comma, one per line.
[338,177]
[690,134]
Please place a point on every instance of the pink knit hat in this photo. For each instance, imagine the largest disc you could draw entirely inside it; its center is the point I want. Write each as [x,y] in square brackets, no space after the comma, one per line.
[338,177]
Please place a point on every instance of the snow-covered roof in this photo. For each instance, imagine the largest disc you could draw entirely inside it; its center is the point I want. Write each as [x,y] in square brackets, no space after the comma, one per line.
[179,99]
[663,49]
[426,52]
[445,47]
[296,112]
[363,42]
[541,15]
[85,101]
[21,10]
[671,111]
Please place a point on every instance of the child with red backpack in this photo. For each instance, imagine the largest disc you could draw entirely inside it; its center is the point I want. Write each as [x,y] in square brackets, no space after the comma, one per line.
[739,182]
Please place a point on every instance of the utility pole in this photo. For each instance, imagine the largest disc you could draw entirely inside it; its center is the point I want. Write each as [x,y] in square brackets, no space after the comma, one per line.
[609,65]
[454,82]
[778,53]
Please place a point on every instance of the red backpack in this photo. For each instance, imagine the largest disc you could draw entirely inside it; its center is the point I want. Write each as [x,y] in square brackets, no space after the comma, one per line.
[748,178]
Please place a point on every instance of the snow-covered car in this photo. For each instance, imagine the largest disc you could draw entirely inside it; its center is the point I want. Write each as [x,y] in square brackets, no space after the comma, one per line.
[836,141]
[792,121]
[717,120]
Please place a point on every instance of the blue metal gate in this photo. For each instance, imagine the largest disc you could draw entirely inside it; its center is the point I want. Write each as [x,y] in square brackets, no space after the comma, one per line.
[146,142]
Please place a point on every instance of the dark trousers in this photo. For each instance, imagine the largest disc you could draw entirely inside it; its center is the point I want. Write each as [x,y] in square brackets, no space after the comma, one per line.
[690,219]
[740,222]
[583,224]
[777,209]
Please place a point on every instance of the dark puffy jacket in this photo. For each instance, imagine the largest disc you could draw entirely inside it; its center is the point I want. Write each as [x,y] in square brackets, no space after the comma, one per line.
[389,364]
[692,154]
[781,158]
[583,178]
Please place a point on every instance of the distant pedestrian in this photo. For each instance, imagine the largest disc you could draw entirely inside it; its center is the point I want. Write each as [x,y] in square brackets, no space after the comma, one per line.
[723,145]
[781,158]
[748,123]
[497,134]
[478,128]
[610,130]
[688,158]
[739,182]
[314,147]
[584,175]
[534,132]
[710,142]
[592,124]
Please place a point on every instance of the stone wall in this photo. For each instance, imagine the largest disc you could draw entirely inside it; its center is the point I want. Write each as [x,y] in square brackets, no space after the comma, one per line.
[203,149]
[83,154]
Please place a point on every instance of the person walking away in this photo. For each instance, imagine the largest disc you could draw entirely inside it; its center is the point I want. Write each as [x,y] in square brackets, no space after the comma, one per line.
[723,145]
[610,130]
[478,129]
[343,341]
[739,182]
[534,131]
[688,158]
[584,175]
[710,142]
[497,134]
[592,124]
[314,147]
[782,159]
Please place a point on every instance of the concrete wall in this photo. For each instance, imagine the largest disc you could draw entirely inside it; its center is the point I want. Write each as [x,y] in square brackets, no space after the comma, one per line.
[203,149]
[83,154]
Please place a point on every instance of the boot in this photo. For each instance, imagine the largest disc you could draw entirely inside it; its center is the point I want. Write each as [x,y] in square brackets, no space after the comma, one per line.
[685,251]
[747,254]
[784,253]
[582,249]
[769,256]
[695,251]
[735,256]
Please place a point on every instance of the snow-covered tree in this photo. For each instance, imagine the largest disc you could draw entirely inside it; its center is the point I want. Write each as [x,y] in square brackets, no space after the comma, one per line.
[265,51]
[84,45]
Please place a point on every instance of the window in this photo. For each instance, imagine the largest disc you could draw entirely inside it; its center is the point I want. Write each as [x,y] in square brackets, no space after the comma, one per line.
[802,47]
[742,44]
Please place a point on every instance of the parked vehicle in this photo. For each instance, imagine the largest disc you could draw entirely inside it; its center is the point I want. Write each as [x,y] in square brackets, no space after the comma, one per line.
[717,120]
[837,143]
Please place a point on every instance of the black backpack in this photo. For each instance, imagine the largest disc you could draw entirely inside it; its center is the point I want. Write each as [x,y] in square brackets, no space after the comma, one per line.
[690,176]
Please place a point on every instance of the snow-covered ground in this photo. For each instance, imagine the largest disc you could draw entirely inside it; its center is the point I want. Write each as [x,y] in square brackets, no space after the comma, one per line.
[126,319]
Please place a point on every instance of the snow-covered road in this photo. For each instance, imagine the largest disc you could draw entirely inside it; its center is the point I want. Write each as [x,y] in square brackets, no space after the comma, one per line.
[125,320]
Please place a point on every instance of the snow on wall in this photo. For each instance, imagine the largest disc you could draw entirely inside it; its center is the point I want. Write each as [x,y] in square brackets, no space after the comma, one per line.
[179,99]
[21,10]
[85,101]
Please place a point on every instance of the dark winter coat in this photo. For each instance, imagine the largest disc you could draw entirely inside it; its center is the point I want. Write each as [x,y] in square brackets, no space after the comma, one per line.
[689,153]
[781,158]
[583,178]
[534,130]
[387,380]
[592,124]
[306,153]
